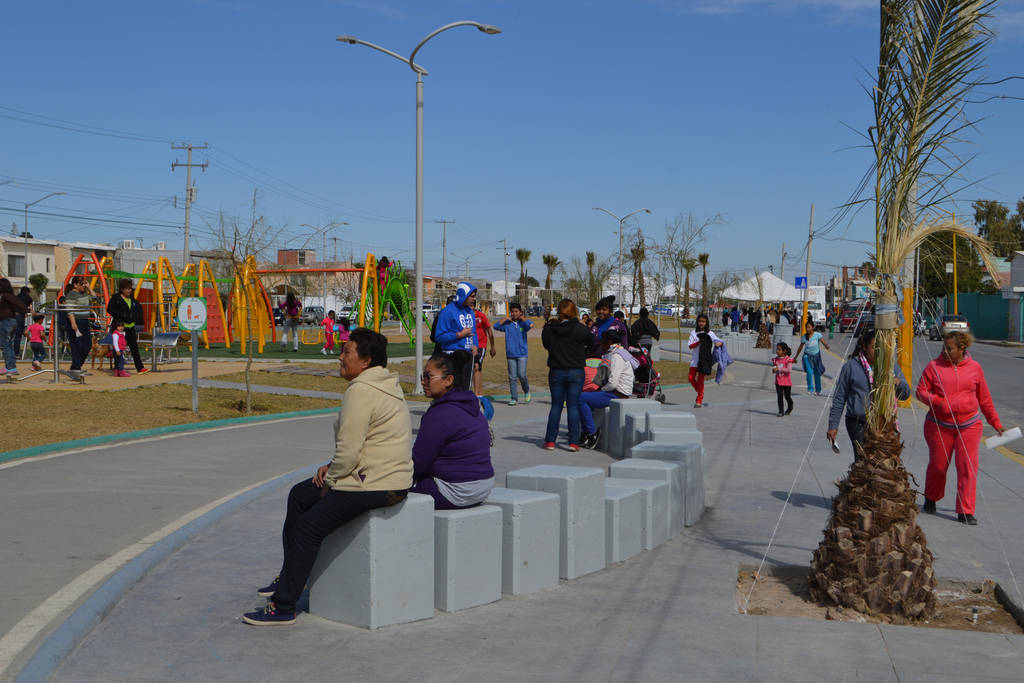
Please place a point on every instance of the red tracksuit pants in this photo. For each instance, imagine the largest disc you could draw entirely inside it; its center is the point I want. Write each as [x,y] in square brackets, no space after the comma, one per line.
[962,445]
[697,381]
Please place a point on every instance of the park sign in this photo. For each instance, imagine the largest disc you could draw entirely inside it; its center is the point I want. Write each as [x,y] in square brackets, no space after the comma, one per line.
[192,313]
[800,282]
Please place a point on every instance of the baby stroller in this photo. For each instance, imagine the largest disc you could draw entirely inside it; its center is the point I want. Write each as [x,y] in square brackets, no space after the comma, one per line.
[646,379]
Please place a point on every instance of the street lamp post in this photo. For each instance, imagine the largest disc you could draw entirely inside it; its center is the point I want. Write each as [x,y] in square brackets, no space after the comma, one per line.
[420,73]
[25,233]
[621,221]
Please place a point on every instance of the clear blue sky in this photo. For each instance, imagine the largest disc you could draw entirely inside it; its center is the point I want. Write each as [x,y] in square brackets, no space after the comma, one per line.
[742,107]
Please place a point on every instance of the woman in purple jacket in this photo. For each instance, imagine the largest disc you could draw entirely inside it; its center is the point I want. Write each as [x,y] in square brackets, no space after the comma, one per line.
[452,454]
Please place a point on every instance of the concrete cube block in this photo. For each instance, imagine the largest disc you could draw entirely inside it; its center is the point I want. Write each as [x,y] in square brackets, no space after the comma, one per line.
[672,419]
[378,569]
[581,522]
[674,435]
[529,539]
[601,422]
[617,411]
[635,430]
[467,557]
[623,509]
[654,513]
[692,459]
[669,472]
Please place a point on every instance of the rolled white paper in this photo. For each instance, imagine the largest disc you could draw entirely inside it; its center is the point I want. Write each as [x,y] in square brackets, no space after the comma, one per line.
[1008,436]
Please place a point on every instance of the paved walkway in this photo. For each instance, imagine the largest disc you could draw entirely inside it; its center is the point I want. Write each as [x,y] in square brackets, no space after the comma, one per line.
[670,614]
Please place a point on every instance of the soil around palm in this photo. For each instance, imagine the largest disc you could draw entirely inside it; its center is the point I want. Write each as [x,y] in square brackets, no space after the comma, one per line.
[785,592]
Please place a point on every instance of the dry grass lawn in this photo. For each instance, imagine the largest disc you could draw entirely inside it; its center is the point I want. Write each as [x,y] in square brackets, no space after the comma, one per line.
[85,413]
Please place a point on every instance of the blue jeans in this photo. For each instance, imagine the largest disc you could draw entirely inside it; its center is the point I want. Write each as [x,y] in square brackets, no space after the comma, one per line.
[590,400]
[7,328]
[811,368]
[566,385]
[517,370]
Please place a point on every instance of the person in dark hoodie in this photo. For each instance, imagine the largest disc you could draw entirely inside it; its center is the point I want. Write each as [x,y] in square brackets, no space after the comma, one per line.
[456,324]
[566,340]
[452,454]
[644,332]
[604,321]
[124,306]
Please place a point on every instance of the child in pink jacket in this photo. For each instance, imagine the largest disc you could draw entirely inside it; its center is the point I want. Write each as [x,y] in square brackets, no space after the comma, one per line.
[328,325]
[118,345]
[954,389]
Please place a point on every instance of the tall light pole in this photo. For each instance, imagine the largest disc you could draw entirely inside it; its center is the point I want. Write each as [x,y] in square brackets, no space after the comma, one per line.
[25,232]
[420,73]
[621,221]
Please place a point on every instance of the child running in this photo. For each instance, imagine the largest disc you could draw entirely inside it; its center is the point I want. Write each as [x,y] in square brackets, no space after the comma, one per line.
[341,329]
[328,325]
[782,367]
[35,333]
[118,345]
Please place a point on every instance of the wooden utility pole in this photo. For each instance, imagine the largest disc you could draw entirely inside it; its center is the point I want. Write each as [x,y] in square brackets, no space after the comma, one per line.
[444,247]
[810,239]
[190,190]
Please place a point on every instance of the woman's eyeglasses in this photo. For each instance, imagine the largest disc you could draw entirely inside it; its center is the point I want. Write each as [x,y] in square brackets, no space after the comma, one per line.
[426,376]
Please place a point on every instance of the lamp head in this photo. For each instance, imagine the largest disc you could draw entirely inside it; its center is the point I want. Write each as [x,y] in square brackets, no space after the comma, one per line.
[488,29]
[647,210]
[351,40]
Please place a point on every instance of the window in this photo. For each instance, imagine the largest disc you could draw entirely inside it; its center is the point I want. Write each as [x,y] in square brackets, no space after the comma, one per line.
[302,258]
[47,264]
[15,266]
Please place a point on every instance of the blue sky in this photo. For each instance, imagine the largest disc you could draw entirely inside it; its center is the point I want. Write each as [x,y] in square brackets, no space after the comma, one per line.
[738,107]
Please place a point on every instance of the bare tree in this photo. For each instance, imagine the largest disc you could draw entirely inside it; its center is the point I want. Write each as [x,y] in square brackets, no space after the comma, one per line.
[682,236]
[589,276]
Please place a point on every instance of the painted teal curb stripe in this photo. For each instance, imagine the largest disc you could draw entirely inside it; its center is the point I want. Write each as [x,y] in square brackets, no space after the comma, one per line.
[155,431]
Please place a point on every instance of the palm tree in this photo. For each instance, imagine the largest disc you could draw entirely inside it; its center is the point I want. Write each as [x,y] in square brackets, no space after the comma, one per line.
[874,558]
[522,255]
[638,254]
[702,259]
[688,264]
[550,262]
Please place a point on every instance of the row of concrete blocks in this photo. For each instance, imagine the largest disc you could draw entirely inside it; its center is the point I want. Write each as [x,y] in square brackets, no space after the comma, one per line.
[395,565]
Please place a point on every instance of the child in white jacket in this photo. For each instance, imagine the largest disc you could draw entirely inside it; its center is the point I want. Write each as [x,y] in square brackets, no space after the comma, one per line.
[619,385]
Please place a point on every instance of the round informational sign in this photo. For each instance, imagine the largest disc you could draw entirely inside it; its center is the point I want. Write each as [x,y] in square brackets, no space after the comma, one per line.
[192,313]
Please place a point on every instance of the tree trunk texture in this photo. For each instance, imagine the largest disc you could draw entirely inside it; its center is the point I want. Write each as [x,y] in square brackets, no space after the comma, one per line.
[874,557]
[764,340]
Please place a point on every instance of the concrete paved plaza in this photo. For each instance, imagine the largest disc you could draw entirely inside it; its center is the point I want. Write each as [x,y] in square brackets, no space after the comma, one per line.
[668,614]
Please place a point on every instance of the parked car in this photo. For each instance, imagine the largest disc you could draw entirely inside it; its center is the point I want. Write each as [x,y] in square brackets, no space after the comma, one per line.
[312,315]
[948,323]
[535,311]
[850,312]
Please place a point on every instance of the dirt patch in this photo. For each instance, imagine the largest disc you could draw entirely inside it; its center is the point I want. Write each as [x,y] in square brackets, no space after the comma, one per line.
[961,605]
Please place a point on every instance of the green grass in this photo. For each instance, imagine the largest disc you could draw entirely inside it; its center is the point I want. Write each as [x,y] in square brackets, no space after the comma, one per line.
[305,352]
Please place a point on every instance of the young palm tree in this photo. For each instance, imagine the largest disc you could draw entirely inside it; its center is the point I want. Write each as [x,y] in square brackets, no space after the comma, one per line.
[703,259]
[551,262]
[874,558]
[688,264]
[638,254]
[523,256]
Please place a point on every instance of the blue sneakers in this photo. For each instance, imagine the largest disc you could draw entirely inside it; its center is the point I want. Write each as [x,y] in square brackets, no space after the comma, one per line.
[267,591]
[268,615]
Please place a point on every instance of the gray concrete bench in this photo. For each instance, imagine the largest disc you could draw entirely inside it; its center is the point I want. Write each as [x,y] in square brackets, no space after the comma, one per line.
[691,458]
[467,557]
[378,569]
[623,509]
[654,517]
[618,442]
[529,539]
[659,470]
[582,516]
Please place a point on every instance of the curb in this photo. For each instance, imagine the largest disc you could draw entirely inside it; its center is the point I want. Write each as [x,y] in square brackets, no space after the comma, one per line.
[155,431]
[59,644]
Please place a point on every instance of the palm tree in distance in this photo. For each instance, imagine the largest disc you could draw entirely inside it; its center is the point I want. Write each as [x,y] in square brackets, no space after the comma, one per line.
[522,255]
[702,259]
[551,262]
[688,264]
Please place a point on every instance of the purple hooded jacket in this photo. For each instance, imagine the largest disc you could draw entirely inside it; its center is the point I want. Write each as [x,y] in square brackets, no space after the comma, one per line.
[453,444]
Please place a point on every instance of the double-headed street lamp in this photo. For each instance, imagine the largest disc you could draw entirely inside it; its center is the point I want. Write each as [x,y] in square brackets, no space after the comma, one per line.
[420,73]
[25,233]
[621,221]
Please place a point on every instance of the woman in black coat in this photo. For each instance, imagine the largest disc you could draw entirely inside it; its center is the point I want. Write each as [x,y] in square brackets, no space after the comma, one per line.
[124,306]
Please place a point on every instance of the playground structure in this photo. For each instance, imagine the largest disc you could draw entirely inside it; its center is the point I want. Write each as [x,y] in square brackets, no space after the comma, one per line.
[249,318]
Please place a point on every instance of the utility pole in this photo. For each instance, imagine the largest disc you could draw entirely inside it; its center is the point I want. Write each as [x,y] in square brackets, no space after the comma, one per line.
[504,289]
[444,247]
[810,240]
[190,190]
[335,240]
[782,269]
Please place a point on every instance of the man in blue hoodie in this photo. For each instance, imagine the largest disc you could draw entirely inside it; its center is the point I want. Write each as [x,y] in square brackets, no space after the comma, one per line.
[515,328]
[456,324]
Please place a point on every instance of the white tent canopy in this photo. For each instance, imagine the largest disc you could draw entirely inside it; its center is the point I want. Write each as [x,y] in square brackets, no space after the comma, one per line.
[774,289]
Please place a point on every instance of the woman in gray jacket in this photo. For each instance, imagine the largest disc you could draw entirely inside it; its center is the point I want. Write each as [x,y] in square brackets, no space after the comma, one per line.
[853,389]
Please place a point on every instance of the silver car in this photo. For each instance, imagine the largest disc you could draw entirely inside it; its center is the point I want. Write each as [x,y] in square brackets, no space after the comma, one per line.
[953,323]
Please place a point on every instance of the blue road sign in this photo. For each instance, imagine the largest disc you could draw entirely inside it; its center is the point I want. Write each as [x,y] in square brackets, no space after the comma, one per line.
[801,283]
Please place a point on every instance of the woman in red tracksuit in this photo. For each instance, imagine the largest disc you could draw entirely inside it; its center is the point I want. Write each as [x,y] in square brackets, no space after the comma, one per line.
[954,389]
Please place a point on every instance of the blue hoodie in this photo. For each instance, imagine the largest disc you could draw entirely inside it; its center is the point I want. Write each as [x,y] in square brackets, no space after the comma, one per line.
[453,444]
[454,318]
[515,337]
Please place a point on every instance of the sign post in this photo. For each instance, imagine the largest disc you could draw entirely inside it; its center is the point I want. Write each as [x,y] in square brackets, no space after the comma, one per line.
[192,319]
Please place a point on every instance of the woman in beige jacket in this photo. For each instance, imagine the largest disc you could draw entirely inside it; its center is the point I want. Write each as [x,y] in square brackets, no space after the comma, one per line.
[372,468]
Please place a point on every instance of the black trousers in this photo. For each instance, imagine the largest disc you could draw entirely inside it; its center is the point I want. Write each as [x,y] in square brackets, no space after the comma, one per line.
[131,338]
[310,519]
[784,392]
[855,428]
[79,345]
